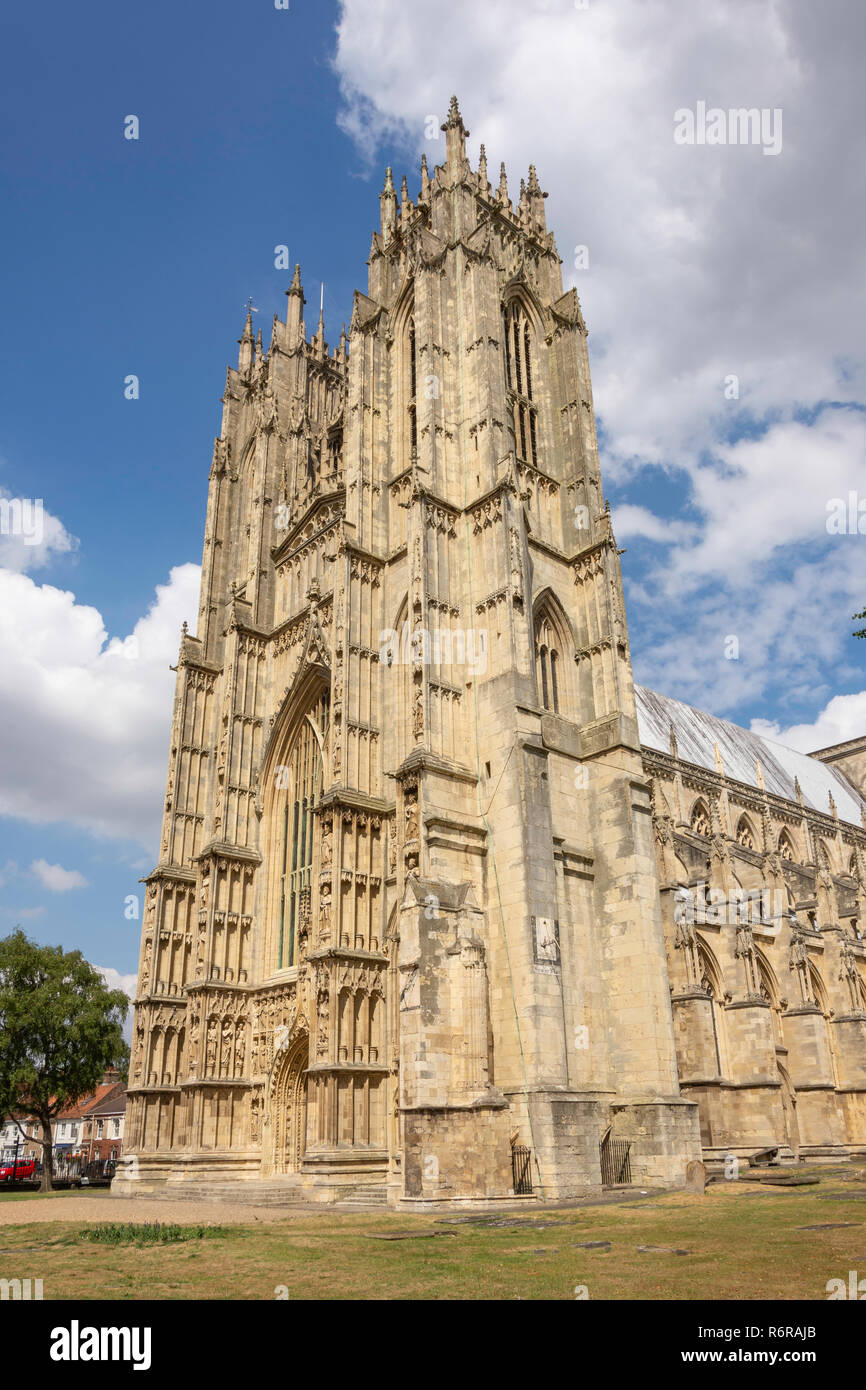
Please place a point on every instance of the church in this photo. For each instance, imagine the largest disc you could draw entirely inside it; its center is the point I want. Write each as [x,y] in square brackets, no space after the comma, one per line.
[447,910]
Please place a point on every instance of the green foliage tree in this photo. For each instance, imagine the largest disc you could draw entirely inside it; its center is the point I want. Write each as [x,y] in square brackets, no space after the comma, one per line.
[862,632]
[60,1028]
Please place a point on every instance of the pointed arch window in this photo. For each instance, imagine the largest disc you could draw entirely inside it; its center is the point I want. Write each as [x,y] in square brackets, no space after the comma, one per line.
[786,849]
[518,377]
[547,663]
[302,780]
[745,836]
[412,368]
[700,821]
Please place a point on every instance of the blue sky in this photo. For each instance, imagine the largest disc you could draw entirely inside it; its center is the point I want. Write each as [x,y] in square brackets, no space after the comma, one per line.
[261,127]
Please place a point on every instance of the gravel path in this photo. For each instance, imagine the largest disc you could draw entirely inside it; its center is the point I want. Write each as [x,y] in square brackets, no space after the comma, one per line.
[102,1206]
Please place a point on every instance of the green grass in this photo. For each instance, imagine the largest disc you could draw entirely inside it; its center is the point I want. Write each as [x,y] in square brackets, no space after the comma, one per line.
[744,1240]
[145,1233]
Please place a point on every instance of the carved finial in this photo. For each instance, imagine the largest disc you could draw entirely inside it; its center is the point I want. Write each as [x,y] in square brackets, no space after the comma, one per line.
[184,628]
[405,202]
[502,190]
[482,167]
[534,186]
[388,206]
[720,766]
[245,341]
[455,134]
[759,774]
[674,748]
[425,177]
[798,790]
[833,811]
[295,286]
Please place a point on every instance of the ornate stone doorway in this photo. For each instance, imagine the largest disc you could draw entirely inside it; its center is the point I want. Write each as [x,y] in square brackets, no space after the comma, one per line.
[289,1107]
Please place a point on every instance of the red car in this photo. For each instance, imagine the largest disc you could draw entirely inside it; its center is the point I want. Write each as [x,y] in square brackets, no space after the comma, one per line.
[22,1171]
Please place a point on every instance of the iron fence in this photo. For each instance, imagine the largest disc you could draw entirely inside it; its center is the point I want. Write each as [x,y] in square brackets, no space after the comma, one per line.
[521,1170]
[615,1162]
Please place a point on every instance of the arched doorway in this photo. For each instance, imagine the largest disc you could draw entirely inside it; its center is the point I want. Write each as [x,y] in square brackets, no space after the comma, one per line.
[289,1107]
[789,1112]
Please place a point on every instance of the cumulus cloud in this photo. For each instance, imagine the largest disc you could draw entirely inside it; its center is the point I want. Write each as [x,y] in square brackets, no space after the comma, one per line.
[127,983]
[55,878]
[843,718]
[30,536]
[86,717]
[724,292]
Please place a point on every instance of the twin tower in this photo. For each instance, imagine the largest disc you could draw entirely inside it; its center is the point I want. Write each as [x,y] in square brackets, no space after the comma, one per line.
[406,921]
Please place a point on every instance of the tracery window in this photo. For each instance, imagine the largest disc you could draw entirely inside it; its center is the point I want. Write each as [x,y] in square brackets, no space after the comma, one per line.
[518,377]
[745,836]
[412,363]
[550,644]
[786,849]
[700,821]
[303,788]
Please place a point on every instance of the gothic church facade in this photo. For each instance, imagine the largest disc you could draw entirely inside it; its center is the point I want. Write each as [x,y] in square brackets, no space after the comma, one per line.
[416,904]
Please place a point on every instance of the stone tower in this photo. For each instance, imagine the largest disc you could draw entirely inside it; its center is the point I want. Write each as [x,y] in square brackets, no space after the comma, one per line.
[407,913]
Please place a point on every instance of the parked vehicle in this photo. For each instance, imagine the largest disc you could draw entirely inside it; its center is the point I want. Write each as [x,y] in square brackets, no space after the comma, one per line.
[22,1171]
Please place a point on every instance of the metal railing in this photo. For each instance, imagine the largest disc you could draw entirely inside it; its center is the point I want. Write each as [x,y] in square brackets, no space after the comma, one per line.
[521,1170]
[615,1161]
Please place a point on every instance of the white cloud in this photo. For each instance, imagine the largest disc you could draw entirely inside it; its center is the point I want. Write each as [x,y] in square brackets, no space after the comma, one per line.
[115,980]
[55,878]
[127,983]
[843,718]
[86,718]
[30,536]
[768,494]
[630,522]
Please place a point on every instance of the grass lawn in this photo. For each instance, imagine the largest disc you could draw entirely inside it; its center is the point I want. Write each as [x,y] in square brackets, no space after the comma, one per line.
[744,1241]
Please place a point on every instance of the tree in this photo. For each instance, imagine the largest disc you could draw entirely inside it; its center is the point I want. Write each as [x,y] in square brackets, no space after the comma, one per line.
[60,1027]
[862,632]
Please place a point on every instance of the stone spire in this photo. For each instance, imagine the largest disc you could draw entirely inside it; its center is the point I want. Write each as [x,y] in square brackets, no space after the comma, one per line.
[425,180]
[502,191]
[406,208]
[483,182]
[295,308]
[245,356]
[388,206]
[535,200]
[455,137]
